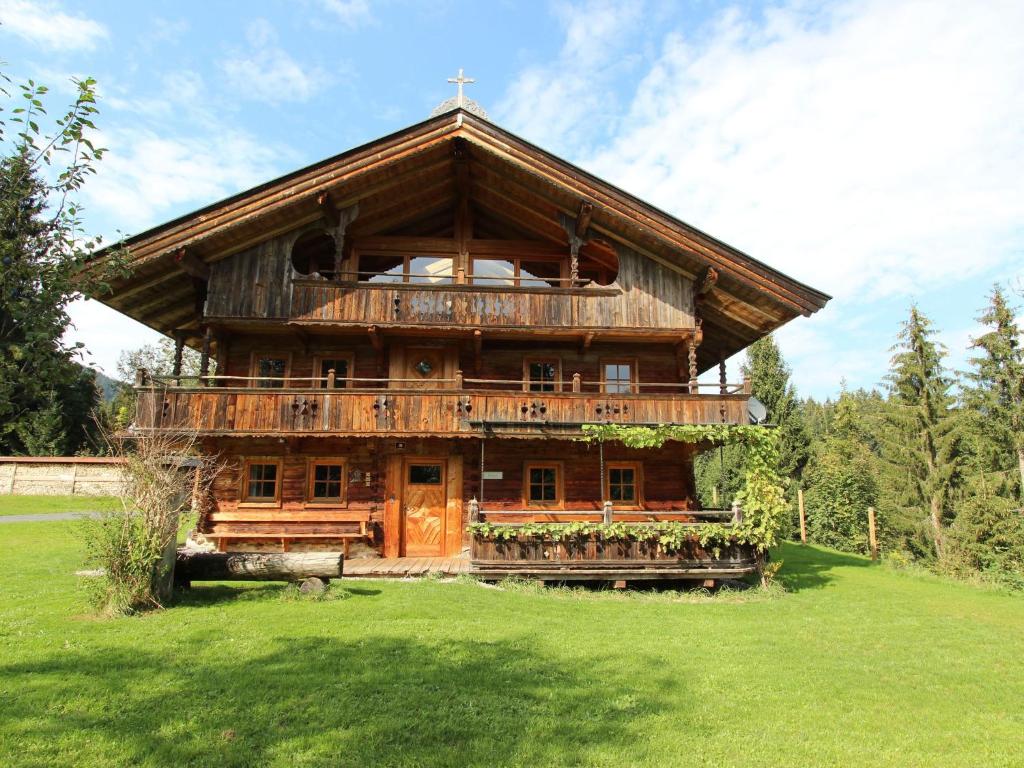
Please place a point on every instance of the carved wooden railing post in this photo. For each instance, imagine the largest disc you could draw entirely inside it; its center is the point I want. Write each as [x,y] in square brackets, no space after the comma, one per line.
[140,377]
[458,379]
[748,385]
[722,385]
[330,378]
[607,513]
[204,359]
[577,382]
[474,510]
[692,361]
[737,513]
[179,348]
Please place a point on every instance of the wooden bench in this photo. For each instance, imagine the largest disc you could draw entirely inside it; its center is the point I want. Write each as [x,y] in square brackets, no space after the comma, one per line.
[233,525]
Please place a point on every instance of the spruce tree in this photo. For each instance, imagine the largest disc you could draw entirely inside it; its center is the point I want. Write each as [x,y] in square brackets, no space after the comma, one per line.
[995,397]
[770,379]
[919,438]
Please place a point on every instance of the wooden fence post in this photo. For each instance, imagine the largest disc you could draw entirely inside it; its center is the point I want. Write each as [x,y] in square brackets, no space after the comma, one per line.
[803,518]
[872,534]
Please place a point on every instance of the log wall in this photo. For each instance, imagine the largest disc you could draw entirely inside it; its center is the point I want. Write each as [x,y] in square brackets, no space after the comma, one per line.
[668,484]
[260,283]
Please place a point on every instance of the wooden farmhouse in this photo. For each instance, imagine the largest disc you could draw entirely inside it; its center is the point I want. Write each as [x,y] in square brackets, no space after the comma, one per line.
[410,336]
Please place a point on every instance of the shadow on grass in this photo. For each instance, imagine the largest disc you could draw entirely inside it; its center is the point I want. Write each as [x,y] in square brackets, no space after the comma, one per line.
[218,594]
[376,701]
[810,567]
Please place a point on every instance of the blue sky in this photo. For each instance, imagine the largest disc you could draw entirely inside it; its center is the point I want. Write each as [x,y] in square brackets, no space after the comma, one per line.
[872,149]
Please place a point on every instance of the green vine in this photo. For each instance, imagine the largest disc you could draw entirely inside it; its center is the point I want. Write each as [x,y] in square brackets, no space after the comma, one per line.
[762,498]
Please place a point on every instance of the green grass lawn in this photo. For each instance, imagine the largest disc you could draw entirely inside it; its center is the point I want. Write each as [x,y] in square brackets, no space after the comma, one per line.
[45,505]
[856,665]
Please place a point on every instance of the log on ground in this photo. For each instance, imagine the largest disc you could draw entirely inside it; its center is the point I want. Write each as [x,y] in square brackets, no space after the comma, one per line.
[257,566]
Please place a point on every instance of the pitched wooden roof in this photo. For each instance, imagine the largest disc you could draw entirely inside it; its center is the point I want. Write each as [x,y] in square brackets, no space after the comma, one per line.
[407,179]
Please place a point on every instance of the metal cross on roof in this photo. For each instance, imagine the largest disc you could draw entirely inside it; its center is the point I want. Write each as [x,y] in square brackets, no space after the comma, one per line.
[460,80]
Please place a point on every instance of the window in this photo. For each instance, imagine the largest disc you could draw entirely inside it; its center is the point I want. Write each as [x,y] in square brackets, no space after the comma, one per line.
[398,268]
[623,483]
[425,474]
[326,478]
[269,371]
[544,485]
[519,272]
[343,368]
[618,376]
[542,375]
[261,481]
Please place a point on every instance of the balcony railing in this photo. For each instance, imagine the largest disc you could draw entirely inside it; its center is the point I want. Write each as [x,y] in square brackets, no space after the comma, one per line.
[461,406]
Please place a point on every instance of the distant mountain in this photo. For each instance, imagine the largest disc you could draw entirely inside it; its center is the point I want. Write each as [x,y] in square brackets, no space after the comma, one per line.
[108,386]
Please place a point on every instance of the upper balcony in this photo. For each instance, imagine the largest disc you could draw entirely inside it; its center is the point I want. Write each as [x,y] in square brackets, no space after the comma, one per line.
[402,407]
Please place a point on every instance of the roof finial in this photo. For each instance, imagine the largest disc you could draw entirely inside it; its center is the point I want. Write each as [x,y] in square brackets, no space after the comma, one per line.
[460,100]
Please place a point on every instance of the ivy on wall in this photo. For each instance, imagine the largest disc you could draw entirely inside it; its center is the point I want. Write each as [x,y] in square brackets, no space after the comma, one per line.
[762,497]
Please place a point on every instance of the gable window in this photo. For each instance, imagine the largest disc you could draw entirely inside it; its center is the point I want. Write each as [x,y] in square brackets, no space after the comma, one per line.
[623,483]
[269,371]
[527,273]
[399,268]
[543,484]
[618,376]
[542,375]
[326,478]
[261,481]
[342,366]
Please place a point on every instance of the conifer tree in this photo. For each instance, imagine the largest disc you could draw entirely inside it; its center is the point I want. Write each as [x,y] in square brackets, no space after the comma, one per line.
[995,398]
[770,378]
[919,437]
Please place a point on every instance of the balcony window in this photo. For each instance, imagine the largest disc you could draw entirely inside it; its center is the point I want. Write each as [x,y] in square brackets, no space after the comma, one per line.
[262,481]
[526,273]
[618,376]
[543,375]
[396,268]
[342,366]
[544,485]
[269,371]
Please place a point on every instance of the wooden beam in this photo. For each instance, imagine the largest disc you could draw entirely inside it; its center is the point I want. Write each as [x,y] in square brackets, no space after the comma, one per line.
[478,344]
[330,211]
[375,338]
[583,216]
[708,280]
[586,340]
[192,264]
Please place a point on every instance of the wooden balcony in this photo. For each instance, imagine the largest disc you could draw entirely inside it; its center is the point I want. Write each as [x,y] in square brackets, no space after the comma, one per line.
[392,408]
[471,306]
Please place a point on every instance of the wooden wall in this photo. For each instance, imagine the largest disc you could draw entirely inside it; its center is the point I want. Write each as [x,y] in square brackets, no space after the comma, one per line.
[258,283]
[668,472]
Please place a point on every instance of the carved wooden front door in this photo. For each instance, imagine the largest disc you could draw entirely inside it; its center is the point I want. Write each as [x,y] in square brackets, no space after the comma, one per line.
[424,502]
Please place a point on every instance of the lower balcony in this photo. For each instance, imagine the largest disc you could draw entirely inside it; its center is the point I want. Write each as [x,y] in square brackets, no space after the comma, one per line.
[391,410]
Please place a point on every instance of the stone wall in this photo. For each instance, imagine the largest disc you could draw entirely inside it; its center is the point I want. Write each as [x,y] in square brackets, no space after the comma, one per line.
[60,476]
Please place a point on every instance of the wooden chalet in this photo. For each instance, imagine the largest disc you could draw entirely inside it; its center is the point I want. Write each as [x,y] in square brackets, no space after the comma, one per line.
[413,332]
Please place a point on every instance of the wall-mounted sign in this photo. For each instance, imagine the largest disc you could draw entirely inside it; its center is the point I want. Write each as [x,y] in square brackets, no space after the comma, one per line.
[493,475]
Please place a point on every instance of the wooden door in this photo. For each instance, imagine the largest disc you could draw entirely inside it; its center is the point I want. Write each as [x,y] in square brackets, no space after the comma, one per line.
[428,367]
[424,508]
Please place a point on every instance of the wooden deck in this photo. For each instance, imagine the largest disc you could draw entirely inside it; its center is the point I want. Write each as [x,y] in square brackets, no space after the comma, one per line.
[403,567]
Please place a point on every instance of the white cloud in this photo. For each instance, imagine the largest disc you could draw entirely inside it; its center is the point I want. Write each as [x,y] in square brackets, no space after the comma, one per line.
[560,103]
[145,175]
[266,72]
[45,24]
[106,333]
[351,13]
[871,148]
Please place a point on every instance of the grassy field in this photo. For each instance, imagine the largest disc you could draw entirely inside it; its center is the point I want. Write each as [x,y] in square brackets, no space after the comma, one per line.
[45,505]
[855,665]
